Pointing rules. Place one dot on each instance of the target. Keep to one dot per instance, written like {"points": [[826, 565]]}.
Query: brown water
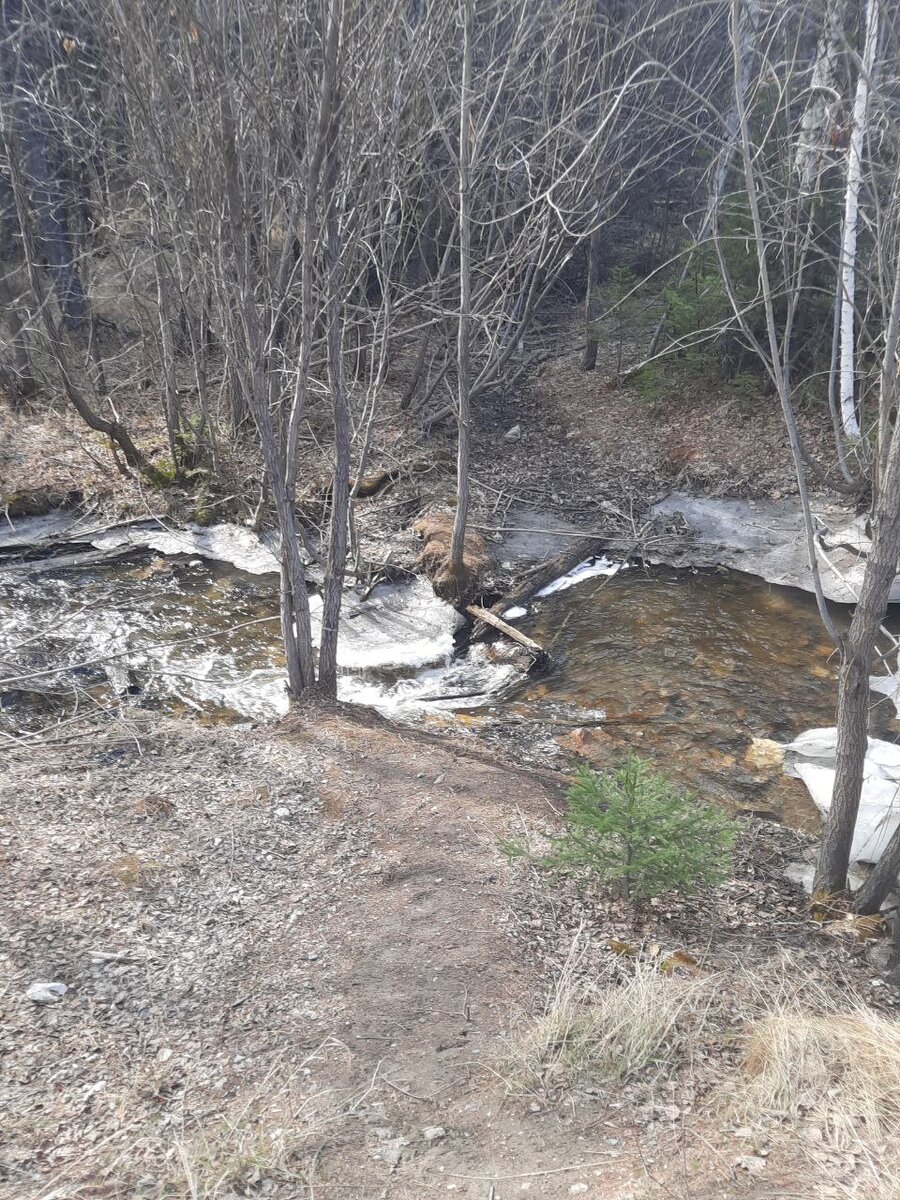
{"points": [[686, 669]]}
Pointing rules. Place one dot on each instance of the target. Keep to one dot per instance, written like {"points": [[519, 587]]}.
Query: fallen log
{"points": [[537, 578], [490, 618]]}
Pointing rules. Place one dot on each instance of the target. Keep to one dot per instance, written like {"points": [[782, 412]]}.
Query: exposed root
{"points": [[436, 530]]}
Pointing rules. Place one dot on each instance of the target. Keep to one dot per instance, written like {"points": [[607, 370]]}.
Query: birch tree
{"points": [[783, 232], [858, 130]]}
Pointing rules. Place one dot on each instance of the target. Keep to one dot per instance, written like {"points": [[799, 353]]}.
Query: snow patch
{"points": [[887, 685], [588, 569], [812, 758], [233, 544]]}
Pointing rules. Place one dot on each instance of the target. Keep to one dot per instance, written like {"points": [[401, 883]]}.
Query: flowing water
{"points": [[687, 668]]}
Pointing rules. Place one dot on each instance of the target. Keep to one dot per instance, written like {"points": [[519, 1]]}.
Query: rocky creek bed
{"points": [[692, 665]]}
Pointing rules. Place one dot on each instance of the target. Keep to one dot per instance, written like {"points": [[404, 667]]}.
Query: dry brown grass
{"points": [[269, 1133], [817, 1079], [610, 1034], [831, 1073]]}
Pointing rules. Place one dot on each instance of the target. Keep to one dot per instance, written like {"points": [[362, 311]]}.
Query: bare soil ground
{"points": [[298, 966]]}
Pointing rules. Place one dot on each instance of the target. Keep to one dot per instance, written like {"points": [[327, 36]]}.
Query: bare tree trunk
{"points": [[295, 616], [857, 651], [882, 881], [853, 684], [457, 540], [166, 320], [22, 383], [778, 359], [340, 488], [851, 222], [811, 144], [592, 333]]}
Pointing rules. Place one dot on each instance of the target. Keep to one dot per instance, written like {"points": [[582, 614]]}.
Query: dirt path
{"points": [[302, 930], [296, 965]]}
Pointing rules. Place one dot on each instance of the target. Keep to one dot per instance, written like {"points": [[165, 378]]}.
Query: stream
{"points": [[686, 667]]}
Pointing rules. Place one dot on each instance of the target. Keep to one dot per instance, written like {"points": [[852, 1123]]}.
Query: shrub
{"points": [[630, 827]]}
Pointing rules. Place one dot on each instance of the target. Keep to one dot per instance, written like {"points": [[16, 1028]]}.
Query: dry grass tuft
{"points": [[831, 1074], [265, 1139], [610, 1034], [261, 1137], [843, 1067]]}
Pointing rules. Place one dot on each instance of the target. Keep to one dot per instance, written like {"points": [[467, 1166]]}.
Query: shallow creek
{"points": [[686, 667]]}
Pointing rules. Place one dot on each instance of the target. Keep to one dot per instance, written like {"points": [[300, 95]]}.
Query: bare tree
{"points": [[777, 176], [464, 383]]}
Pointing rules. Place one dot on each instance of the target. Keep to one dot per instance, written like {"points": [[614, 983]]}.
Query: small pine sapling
{"points": [[630, 827]]}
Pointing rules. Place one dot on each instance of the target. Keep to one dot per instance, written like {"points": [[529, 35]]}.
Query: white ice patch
{"points": [[400, 626], [585, 570], [812, 758], [470, 682], [887, 685], [804, 873], [514, 613], [818, 747], [879, 809], [233, 544]]}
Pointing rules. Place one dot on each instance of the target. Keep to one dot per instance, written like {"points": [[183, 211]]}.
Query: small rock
{"points": [[513, 434], [282, 812], [434, 1133], [753, 1164], [312, 956], [46, 993], [534, 1107], [882, 956], [578, 1189], [391, 1151], [764, 754]]}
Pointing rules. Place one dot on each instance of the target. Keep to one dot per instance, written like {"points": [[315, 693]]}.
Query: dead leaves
{"points": [[678, 960]]}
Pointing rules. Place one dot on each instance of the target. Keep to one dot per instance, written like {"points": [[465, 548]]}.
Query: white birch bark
{"points": [[851, 222]]}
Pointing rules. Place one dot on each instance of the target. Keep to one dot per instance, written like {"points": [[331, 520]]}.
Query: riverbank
{"points": [[299, 965], [576, 444]]}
